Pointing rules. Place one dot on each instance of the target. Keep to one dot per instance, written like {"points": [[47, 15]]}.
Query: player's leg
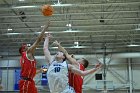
{"points": [[32, 87], [23, 86], [69, 89]]}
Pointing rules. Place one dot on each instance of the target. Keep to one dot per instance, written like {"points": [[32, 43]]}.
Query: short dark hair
{"points": [[85, 62], [64, 56], [20, 50]]}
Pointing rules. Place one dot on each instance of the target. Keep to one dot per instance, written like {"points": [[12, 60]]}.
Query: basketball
{"points": [[47, 10]]}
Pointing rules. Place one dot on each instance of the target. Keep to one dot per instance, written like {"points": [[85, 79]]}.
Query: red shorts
{"points": [[27, 86]]}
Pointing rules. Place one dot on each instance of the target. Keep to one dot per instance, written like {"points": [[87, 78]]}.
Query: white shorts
{"points": [[68, 89]]}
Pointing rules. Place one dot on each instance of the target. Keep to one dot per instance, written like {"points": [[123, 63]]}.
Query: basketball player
{"points": [[58, 71], [75, 80], [28, 65]]}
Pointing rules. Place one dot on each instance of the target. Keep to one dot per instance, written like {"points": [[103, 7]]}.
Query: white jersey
{"points": [[58, 77]]}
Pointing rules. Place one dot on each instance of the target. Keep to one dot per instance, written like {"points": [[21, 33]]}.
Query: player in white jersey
{"points": [[58, 70], [58, 78]]}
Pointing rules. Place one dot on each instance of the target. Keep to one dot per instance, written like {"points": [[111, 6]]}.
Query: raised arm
{"points": [[80, 72], [46, 50], [38, 40], [70, 59]]}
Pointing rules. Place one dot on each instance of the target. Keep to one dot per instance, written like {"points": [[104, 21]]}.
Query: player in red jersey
{"points": [[28, 65], [76, 81]]}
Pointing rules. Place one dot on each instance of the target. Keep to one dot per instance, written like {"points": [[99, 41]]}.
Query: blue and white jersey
{"points": [[57, 76]]}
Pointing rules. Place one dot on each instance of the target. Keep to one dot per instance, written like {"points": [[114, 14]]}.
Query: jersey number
{"points": [[57, 69]]}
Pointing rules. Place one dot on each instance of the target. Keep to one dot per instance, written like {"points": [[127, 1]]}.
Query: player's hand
{"points": [[99, 65], [41, 70], [56, 43], [72, 55], [45, 69], [48, 36]]}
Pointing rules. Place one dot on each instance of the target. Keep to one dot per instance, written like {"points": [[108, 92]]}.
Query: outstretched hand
{"points": [[40, 71], [56, 43], [99, 65], [48, 35]]}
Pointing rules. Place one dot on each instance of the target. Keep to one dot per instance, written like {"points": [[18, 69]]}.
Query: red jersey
{"points": [[28, 67], [76, 81]]}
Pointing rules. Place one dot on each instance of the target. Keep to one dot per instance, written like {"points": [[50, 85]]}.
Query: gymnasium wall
{"points": [[117, 73]]}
